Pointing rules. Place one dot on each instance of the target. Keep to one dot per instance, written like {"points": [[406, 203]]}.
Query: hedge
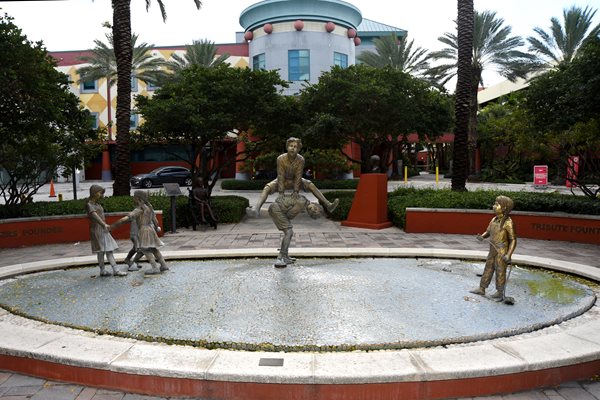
{"points": [[402, 198], [259, 184], [229, 209]]}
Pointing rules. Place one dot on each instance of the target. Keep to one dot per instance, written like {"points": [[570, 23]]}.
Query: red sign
{"points": [[540, 175]]}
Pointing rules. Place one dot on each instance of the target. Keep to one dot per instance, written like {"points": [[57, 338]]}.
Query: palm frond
{"points": [[562, 41]]}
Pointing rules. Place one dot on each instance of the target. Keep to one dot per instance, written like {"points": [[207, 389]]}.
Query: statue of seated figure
{"points": [[200, 207]]}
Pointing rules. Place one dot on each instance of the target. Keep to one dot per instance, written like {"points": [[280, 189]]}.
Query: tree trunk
{"points": [[123, 54], [475, 79], [463, 94]]}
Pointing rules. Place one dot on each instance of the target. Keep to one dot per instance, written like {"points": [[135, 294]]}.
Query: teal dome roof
{"points": [[271, 11]]}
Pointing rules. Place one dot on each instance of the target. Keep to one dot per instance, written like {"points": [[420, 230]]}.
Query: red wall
{"points": [[570, 228], [24, 232]]}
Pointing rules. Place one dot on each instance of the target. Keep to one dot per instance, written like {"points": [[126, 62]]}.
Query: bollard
{"points": [[60, 198]]}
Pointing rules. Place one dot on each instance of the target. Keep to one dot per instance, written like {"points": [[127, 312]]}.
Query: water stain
{"points": [[555, 288]]}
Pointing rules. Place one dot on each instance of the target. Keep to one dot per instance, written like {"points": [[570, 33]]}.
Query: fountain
{"points": [[221, 322], [334, 323]]}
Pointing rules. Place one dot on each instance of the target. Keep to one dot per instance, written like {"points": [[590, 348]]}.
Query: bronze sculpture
{"points": [[283, 210], [147, 224], [290, 167], [503, 241], [200, 205], [374, 161], [100, 238]]}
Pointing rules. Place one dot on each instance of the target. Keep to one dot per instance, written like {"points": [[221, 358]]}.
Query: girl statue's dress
{"points": [[100, 237], [145, 219]]}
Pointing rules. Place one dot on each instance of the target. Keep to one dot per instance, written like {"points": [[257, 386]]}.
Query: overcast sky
{"points": [[74, 24]]}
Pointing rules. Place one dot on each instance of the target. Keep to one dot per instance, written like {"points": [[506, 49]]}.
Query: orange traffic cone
{"points": [[52, 192]]}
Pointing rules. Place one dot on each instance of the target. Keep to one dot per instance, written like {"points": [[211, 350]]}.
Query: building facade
{"points": [[299, 38]]}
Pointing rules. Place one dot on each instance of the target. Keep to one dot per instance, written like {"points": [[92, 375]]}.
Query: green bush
{"points": [[236, 184], [342, 210], [239, 184], [402, 198], [229, 209]]}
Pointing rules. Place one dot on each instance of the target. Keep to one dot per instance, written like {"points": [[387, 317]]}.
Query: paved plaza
{"points": [[261, 233]]}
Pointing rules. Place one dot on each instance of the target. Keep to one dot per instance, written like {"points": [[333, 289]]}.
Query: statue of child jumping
{"points": [[282, 211], [290, 166]]}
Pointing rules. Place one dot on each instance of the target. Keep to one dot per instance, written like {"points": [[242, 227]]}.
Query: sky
{"points": [[74, 24]]}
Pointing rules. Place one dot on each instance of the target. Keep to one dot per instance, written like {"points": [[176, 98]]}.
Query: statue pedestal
{"points": [[369, 208]]}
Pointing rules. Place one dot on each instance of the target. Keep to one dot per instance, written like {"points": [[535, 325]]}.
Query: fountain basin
{"points": [[541, 358], [318, 304]]}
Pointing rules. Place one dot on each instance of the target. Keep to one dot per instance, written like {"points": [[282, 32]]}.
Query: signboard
{"points": [[540, 175], [172, 189]]}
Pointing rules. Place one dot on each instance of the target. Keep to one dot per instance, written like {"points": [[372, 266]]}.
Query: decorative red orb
{"points": [[268, 28], [351, 33], [298, 25], [357, 41], [248, 35], [329, 27]]}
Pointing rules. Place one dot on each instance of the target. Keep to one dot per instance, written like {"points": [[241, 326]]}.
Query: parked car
{"points": [[161, 175]]}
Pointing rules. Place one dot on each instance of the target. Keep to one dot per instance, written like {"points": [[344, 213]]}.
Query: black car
{"points": [[161, 175]]}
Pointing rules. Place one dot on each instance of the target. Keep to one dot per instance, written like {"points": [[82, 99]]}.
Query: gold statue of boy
{"points": [[290, 167], [503, 241]]}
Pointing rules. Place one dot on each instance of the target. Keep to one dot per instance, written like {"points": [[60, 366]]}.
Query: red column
{"points": [[106, 174], [240, 172], [369, 207]]}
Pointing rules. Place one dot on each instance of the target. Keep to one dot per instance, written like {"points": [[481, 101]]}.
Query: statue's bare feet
{"points": [[105, 273], [133, 267], [280, 263], [478, 291], [332, 206], [252, 212], [153, 271]]}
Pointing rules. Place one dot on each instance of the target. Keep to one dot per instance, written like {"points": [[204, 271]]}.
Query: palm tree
{"points": [[123, 54], [200, 52], [103, 64], [396, 53], [563, 41], [492, 47], [464, 56]]}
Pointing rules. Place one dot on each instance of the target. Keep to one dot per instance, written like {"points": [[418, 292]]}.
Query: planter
{"points": [[533, 225], [23, 232]]}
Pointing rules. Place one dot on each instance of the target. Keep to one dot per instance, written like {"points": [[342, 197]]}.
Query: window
{"points": [[133, 121], [298, 65], [89, 87], [134, 83], [340, 59], [258, 62], [95, 120]]}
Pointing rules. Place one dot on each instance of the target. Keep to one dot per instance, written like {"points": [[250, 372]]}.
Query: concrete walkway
{"points": [[261, 233]]}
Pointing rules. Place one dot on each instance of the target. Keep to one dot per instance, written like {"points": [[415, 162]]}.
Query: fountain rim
{"points": [[571, 344]]}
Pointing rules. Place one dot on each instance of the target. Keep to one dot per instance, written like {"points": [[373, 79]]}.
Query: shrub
{"points": [[229, 209], [402, 198], [236, 184], [342, 210]]}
